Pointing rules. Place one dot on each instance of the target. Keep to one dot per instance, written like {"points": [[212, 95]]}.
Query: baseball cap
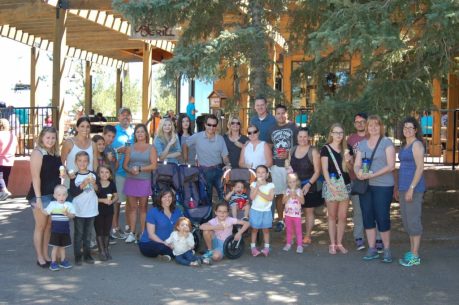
{"points": [[124, 109]]}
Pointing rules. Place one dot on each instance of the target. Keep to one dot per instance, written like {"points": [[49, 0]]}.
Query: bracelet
{"points": [[309, 182], [39, 197]]}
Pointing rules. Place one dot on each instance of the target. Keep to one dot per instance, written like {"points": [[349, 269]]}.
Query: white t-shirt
{"points": [[86, 204], [260, 204], [181, 244]]}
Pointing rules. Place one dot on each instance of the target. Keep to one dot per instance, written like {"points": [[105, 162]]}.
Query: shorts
{"points": [[137, 187], [261, 220], [313, 200], [119, 181], [279, 175], [411, 213], [60, 240], [217, 245], [45, 200]]}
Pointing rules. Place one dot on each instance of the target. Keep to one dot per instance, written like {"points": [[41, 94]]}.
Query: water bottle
{"points": [[333, 178], [191, 203], [365, 165]]}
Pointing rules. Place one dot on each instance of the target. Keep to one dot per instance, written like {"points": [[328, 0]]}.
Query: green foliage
{"points": [[164, 95]]}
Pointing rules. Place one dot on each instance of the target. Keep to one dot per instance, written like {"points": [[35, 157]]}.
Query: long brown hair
{"points": [[343, 144]]}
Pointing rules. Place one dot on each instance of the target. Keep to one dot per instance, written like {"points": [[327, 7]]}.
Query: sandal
{"points": [[306, 240], [341, 249], [332, 249]]}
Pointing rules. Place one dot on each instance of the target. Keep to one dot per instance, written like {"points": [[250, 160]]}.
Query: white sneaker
{"points": [[130, 238], [286, 247], [164, 258], [299, 249], [3, 196]]}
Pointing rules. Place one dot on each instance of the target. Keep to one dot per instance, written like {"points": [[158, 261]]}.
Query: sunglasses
{"points": [[212, 125], [252, 132], [235, 123]]}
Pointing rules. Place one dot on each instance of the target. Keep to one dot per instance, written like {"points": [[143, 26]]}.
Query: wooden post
{"points": [[453, 103], [146, 81], [34, 55], [435, 148], [87, 88], [119, 91], [59, 46]]}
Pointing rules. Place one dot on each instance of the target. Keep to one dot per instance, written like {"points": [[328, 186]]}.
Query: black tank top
{"points": [[303, 167], [49, 175]]}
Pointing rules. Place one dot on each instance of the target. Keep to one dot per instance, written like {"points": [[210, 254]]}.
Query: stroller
{"points": [[166, 176], [231, 176]]}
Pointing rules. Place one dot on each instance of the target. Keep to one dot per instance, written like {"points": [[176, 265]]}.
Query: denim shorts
{"points": [[261, 220], [45, 200], [217, 244]]}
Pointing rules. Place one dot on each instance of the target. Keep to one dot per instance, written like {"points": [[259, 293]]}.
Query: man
{"points": [[191, 112], [283, 138], [123, 138], [263, 119], [360, 120], [211, 152], [155, 118]]}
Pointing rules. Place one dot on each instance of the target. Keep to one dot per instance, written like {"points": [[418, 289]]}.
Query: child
{"points": [[238, 199], [217, 230], [60, 211], [293, 199], [103, 222], [261, 217], [181, 242], [100, 145], [83, 187]]}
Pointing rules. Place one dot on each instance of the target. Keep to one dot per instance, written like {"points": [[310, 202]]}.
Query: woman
{"points": [[80, 142], [160, 224], [44, 168], [335, 158], [234, 140], [411, 187], [255, 152], [166, 142], [184, 131], [139, 162], [375, 203], [304, 160], [8, 144]]}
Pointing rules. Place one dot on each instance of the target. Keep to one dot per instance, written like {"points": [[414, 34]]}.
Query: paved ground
{"points": [[314, 277]]}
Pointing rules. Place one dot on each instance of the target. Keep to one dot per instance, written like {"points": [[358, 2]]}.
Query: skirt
{"points": [[137, 187]]}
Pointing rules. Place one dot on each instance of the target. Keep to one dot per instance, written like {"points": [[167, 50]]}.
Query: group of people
{"points": [[292, 177]]}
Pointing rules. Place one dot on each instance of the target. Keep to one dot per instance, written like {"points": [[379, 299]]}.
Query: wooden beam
{"points": [[103, 5], [119, 90], [58, 67], [435, 148], [87, 88], [453, 103], [146, 81], [34, 55]]}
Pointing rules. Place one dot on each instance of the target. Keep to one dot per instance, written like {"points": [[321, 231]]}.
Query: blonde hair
{"points": [[375, 118], [343, 144], [41, 146], [160, 133], [294, 176], [231, 118]]}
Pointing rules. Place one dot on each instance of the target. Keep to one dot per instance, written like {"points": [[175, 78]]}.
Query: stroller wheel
{"points": [[233, 249]]}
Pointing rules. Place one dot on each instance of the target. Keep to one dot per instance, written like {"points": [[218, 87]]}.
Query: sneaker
{"points": [[255, 252], [265, 251], [208, 254], [408, 255], [130, 238], [287, 247], [78, 261], [379, 246], [111, 241], [299, 249], [93, 246], [88, 259], [165, 258], [54, 266], [387, 257], [65, 264], [196, 263], [279, 226], [359, 244], [206, 260], [3, 196], [117, 234], [372, 253], [411, 261]]}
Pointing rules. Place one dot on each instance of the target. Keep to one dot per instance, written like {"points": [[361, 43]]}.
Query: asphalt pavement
{"points": [[314, 277]]}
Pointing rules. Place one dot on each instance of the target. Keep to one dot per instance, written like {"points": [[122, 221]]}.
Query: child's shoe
{"points": [[208, 254], [359, 244], [206, 260], [196, 263], [299, 249], [54, 266], [265, 251], [287, 247], [65, 264], [279, 226], [379, 246], [255, 252]]}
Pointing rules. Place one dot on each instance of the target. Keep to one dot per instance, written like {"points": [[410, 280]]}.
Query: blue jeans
{"points": [[375, 206], [213, 177], [186, 258], [153, 249], [82, 235]]}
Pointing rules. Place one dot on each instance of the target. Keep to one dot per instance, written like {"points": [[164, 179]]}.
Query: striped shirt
{"points": [[59, 222]]}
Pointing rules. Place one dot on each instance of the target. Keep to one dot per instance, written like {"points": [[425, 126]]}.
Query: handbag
{"points": [[342, 188], [359, 187]]}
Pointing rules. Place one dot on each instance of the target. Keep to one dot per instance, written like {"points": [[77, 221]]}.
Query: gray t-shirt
{"points": [[210, 151], [379, 161], [283, 137]]}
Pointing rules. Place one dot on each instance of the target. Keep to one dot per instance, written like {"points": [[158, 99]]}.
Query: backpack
{"points": [[193, 189]]}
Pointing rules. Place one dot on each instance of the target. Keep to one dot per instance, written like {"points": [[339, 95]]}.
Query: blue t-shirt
{"points": [[122, 136], [163, 224], [264, 126], [160, 146], [190, 111]]}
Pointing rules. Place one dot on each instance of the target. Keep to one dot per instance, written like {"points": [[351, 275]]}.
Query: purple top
{"points": [[407, 170]]}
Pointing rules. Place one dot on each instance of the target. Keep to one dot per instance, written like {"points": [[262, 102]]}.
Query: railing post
{"points": [[455, 137]]}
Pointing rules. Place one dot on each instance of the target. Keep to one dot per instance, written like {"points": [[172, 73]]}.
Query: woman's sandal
{"points": [[341, 249], [306, 240], [332, 249]]}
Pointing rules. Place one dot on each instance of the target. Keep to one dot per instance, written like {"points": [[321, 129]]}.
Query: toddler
{"points": [[218, 229], [238, 200], [61, 211], [293, 199]]}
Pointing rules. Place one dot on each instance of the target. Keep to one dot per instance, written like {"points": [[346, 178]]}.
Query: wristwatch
{"points": [[412, 187]]}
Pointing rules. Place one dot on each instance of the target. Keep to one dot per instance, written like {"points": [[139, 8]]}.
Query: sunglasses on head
{"points": [[212, 125], [252, 132]]}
